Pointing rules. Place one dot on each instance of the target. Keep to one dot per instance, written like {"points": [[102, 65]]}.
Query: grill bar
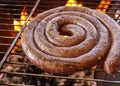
{"points": [[56, 2], [63, 77], [2, 52], [14, 5], [2, 44], [14, 9], [11, 84], [22, 1], [13, 19], [84, 2], [8, 24], [12, 14], [5, 44], [41, 2], [4, 30], [44, 10], [7, 37]]}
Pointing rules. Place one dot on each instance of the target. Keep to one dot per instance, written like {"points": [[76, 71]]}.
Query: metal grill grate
{"points": [[10, 40]]}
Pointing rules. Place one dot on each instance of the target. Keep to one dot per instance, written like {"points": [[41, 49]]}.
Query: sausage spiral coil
{"points": [[91, 37]]}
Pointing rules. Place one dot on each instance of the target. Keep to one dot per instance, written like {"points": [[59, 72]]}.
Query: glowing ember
{"points": [[104, 4], [65, 36], [16, 25], [73, 3], [80, 4], [23, 17]]}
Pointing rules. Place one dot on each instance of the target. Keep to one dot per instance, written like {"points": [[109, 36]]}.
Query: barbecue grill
{"points": [[13, 62]]}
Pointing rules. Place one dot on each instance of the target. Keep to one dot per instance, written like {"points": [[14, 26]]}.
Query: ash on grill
{"points": [[39, 81]]}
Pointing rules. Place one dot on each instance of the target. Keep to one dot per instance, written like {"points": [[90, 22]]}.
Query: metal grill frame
{"points": [[3, 61]]}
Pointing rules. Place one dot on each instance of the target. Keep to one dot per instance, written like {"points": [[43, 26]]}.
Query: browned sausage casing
{"points": [[92, 36]]}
